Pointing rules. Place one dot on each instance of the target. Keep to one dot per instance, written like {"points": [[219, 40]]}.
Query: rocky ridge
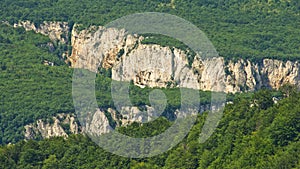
{"points": [[60, 125], [157, 66], [154, 66], [94, 123], [163, 66], [57, 31]]}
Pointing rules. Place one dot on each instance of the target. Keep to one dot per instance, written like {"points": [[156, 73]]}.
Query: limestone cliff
{"points": [[94, 123], [98, 46], [244, 75], [157, 66]]}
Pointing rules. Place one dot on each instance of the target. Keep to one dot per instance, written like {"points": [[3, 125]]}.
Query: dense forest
{"points": [[265, 135], [254, 132], [29, 89], [238, 29]]}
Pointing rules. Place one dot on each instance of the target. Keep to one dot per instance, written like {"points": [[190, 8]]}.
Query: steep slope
{"points": [[247, 137], [114, 49], [161, 66], [98, 47]]}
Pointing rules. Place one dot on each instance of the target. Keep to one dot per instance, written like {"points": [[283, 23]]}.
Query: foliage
{"points": [[29, 89], [253, 133], [239, 29], [246, 137]]}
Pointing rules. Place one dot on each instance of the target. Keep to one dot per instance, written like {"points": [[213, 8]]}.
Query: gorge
{"points": [[152, 65]]}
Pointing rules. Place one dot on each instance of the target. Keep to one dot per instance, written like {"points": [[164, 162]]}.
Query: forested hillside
{"points": [[238, 29], [31, 90], [254, 132], [262, 136]]}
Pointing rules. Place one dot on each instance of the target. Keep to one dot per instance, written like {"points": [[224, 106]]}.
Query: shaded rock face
{"points": [[157, 66], [57, 31]]}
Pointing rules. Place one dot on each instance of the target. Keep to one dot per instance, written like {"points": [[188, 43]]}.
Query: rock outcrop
{"points": [[134, 114], [57, 31], [60, 125], [278, 72], [157, 66], [99, 47], [244, 75], [96, 123]]}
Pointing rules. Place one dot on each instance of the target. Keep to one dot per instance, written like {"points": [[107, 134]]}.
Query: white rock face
{"points": [[213, 75], [97, 124], [48, 130], [278, 72], [157, 66], [245, 75], [98, 46], [57, 31]]}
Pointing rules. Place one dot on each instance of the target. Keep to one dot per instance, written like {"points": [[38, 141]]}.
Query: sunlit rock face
{"points": [[96, 124], [157, 66]]}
